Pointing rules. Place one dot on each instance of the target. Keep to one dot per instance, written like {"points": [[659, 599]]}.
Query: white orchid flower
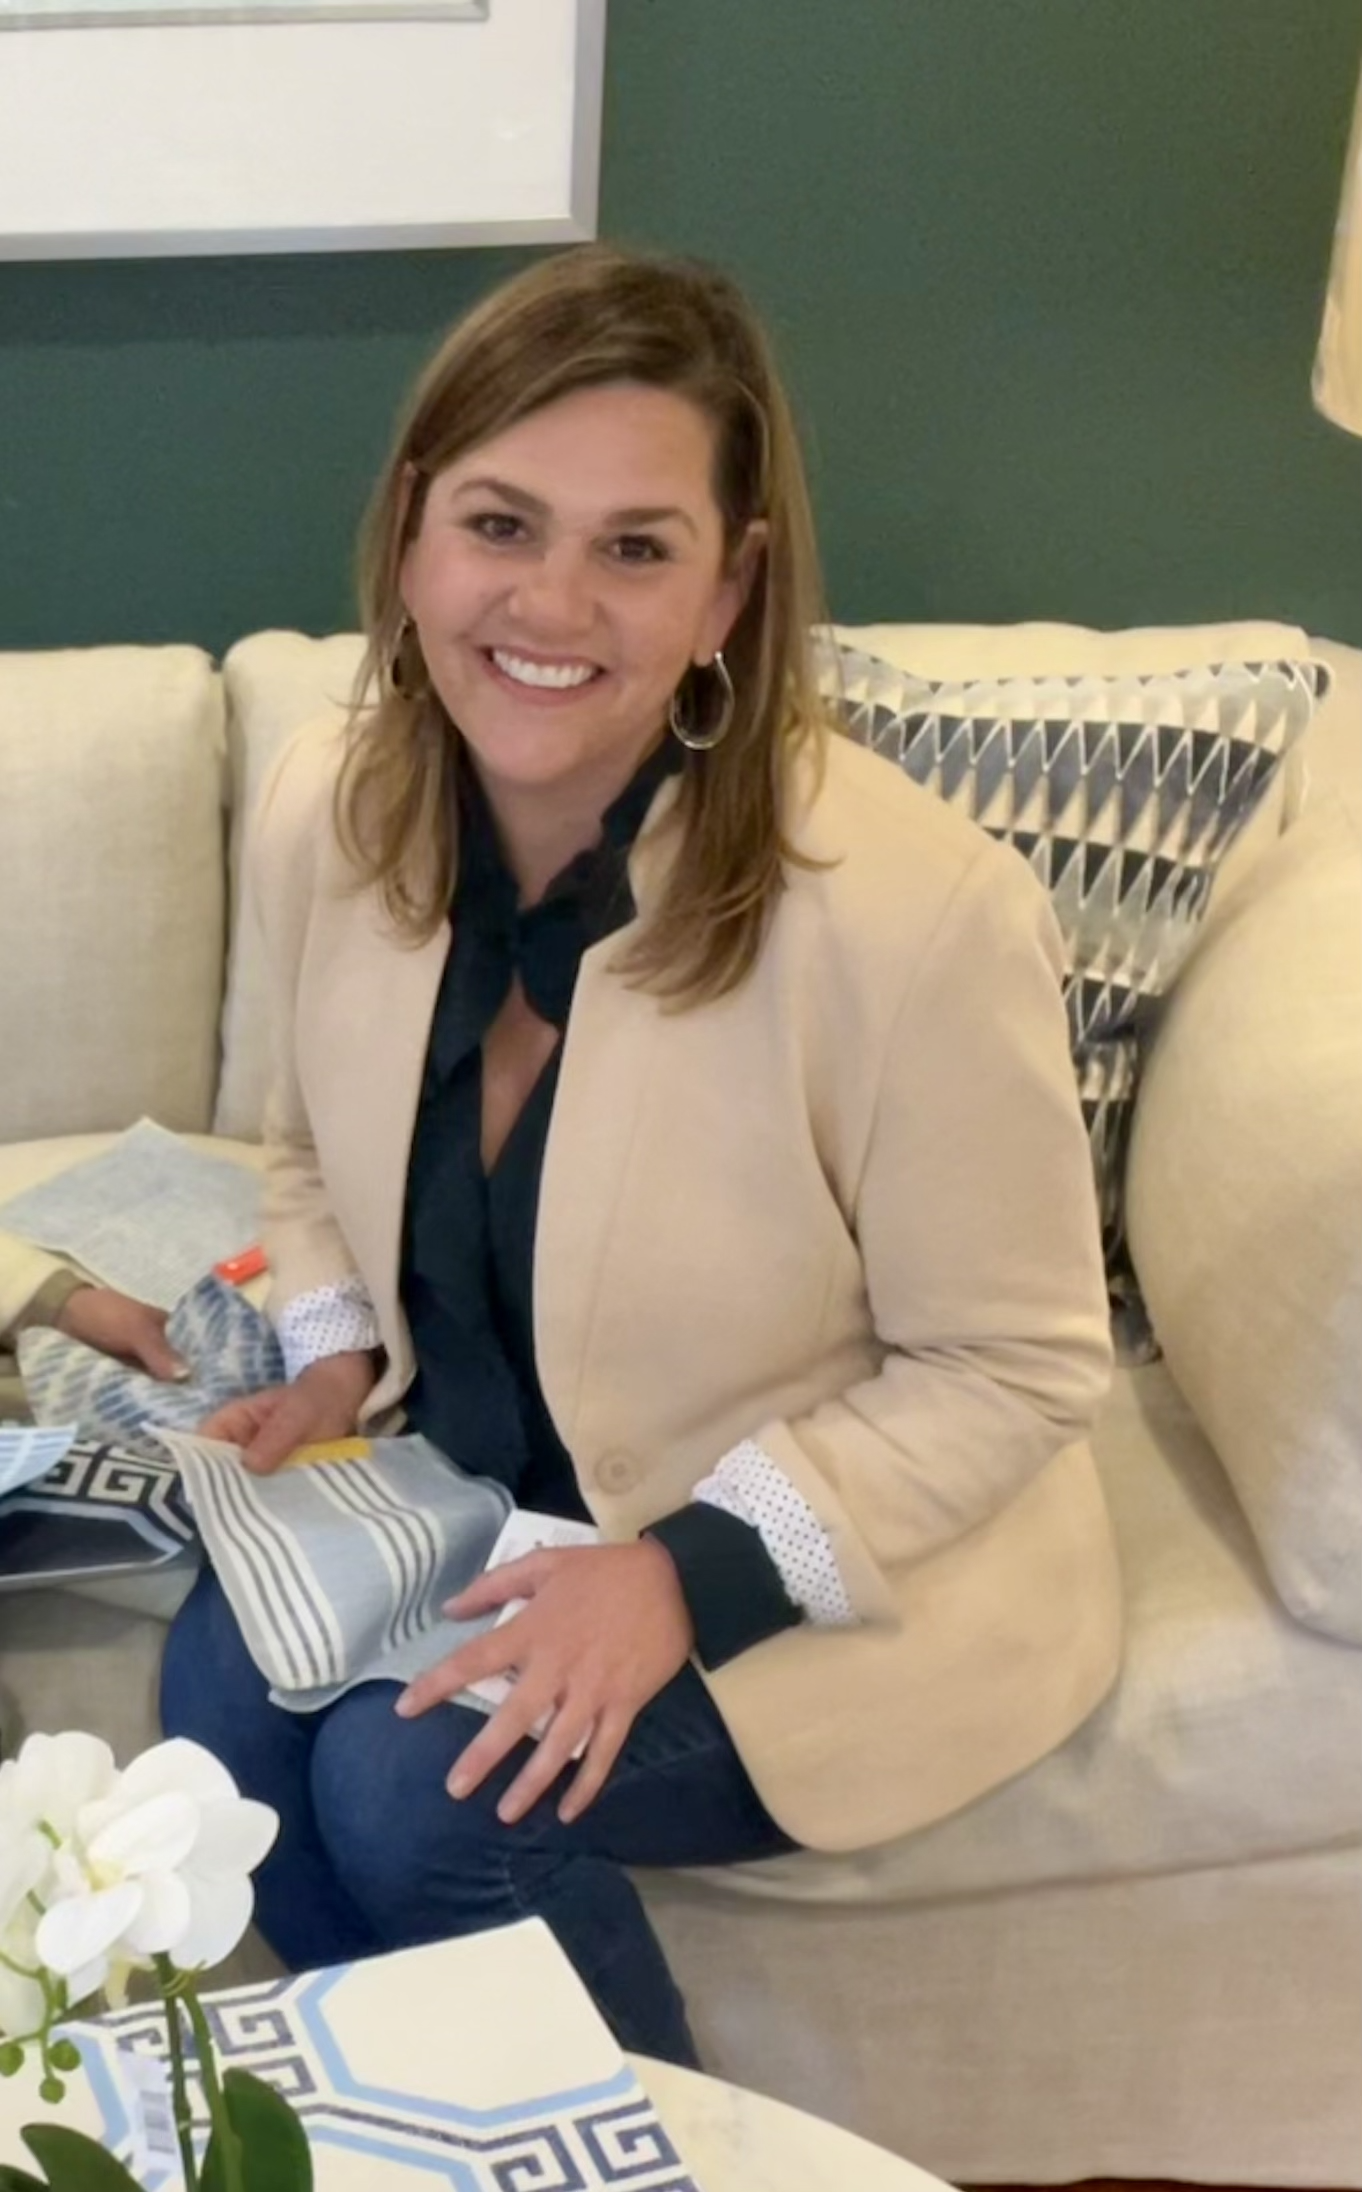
{"points": [[41, 1793], [51, 1779], [25, 1862], [157, 1863]]}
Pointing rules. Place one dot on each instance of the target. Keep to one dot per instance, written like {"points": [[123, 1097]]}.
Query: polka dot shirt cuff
{"points": [[327, 1320], [749, 1484]]}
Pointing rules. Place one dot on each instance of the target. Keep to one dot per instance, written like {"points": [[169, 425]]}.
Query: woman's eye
{"points": [[497, 527], [638, 548]]}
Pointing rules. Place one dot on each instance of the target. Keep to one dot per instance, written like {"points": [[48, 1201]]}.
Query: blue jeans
{"points": [[373, 1854]]}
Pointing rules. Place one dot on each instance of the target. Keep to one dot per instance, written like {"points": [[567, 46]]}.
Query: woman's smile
{"points": [[541, 677]]}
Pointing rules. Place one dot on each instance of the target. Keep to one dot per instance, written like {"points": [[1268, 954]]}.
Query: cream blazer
{"points": [[846, 1211]]}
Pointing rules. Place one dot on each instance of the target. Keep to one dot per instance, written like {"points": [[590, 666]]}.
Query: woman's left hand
{"points": [[603, 1629]]}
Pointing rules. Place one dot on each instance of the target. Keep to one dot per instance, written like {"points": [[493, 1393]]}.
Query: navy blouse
{"points": [[467, 1270]]}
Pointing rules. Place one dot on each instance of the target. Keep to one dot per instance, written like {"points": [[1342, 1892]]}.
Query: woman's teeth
{"points": [[552, 676]]}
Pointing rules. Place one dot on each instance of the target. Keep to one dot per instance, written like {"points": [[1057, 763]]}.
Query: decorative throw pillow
{"points": [[100, 1511], [1124, 792]]}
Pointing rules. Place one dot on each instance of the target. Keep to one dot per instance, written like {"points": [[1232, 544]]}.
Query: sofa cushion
{"points": [[1233, 1734], [275, 682], [1122, 774], [1245, 1201], [111, 888], [1332, 753]]}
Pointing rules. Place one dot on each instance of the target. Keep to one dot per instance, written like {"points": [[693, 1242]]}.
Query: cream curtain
{"points": [[1338, 367]]}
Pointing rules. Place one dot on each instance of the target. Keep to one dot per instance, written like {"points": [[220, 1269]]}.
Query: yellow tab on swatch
{"points": [[346, 1449]]}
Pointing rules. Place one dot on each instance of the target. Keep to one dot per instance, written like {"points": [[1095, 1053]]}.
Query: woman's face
{"points": [[564, 577]]}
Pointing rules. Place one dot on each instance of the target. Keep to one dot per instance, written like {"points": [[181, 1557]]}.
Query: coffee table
{"points": [[736, 2141], [478, 2065]]}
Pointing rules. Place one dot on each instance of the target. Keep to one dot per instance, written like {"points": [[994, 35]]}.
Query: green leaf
{"points": [[19, 2180], [275, 2156], [73, 2163]]}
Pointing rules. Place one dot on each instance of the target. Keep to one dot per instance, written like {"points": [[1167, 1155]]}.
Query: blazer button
{"points": [[617, 1472]]}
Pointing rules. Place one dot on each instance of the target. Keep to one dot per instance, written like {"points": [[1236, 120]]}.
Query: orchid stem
{"points": [[179, 2085], [229, 2145]]}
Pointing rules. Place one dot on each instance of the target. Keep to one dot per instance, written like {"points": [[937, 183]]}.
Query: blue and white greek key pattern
{"points": [[606, 2138]]}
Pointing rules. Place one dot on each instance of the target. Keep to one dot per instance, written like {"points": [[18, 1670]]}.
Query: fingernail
{"points": [[405, 1706], [457, 1785], [181, 1373]]}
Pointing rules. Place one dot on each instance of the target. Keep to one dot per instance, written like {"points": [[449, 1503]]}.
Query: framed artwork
{"points": [[85, 14], [130, 128]]}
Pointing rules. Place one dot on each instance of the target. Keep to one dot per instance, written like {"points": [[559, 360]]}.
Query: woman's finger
{"points": [[284, 1428], [235, 1422], [603, 1748], [498, 1586], [559, 1743], [154, 1351], [511, 1723]]}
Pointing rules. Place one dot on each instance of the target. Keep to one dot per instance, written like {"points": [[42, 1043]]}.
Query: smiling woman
{"points": [[556, 617], [674, 1120]]}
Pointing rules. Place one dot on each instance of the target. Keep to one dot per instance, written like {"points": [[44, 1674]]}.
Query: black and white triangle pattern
{"points": [[1124, 794]]}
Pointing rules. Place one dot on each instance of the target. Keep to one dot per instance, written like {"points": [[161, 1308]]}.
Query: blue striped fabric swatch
{"points": [[336, 1570]]}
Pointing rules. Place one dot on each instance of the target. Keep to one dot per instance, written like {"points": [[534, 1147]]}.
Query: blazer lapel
{"points": [[375, 1005], [608, 1056]]}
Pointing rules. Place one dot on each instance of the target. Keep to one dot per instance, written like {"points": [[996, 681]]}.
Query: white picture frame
{"points": [[319, 134]]}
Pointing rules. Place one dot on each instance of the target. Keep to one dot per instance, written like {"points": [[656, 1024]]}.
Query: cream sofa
{"points": [[1144, 1957]]}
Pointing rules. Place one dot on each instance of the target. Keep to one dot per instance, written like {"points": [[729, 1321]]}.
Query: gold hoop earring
{"points": [[703, 740], [399, 665]]}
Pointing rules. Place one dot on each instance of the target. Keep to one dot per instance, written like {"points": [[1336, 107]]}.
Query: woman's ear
{"points": [[734, 587]]}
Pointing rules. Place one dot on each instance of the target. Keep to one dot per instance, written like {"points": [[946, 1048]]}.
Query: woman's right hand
{"points": [[323, 1402]]}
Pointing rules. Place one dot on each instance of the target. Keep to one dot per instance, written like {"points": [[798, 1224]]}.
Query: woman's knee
{"points": [[391, 1829]]}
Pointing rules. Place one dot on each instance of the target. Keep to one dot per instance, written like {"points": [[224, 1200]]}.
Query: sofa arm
{"points": [[1244, 1197]]}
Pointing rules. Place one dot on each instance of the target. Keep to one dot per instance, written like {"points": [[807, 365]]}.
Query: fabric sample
{"points": [[99, 1511], [229, 1346], [337, 1570]]}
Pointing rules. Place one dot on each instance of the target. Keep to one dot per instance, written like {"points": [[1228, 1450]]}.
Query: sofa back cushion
{"points": [[111, 888], [275, 683], [1244, 1194]]}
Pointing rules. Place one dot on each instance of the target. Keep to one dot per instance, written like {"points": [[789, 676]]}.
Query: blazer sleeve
{"points": [[976, 1217], [33, 1285], [287, 868]]}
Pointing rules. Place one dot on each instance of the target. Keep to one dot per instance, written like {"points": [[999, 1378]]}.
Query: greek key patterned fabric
{"points": [[100, 1510], [230, 1347], [479, 2064], [1124, 794]]}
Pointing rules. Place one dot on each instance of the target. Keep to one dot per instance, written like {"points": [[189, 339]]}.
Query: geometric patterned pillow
{"points": [[101, 1510], [1124, 793]]}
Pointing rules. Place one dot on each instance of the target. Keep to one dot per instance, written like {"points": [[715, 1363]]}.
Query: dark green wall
{"points": [[1046, 275]]}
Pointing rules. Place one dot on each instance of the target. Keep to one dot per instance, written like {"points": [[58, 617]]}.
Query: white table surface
{"points": [[736, 2141]]}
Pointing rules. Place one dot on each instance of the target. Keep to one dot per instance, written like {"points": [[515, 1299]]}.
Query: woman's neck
{"points": [[540, 828]]}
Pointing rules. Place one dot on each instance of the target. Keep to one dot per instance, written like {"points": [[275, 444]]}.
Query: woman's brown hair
{"points": [[587, 317]]}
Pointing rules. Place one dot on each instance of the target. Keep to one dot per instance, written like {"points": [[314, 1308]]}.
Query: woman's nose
{"points": [[553, 596]]}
